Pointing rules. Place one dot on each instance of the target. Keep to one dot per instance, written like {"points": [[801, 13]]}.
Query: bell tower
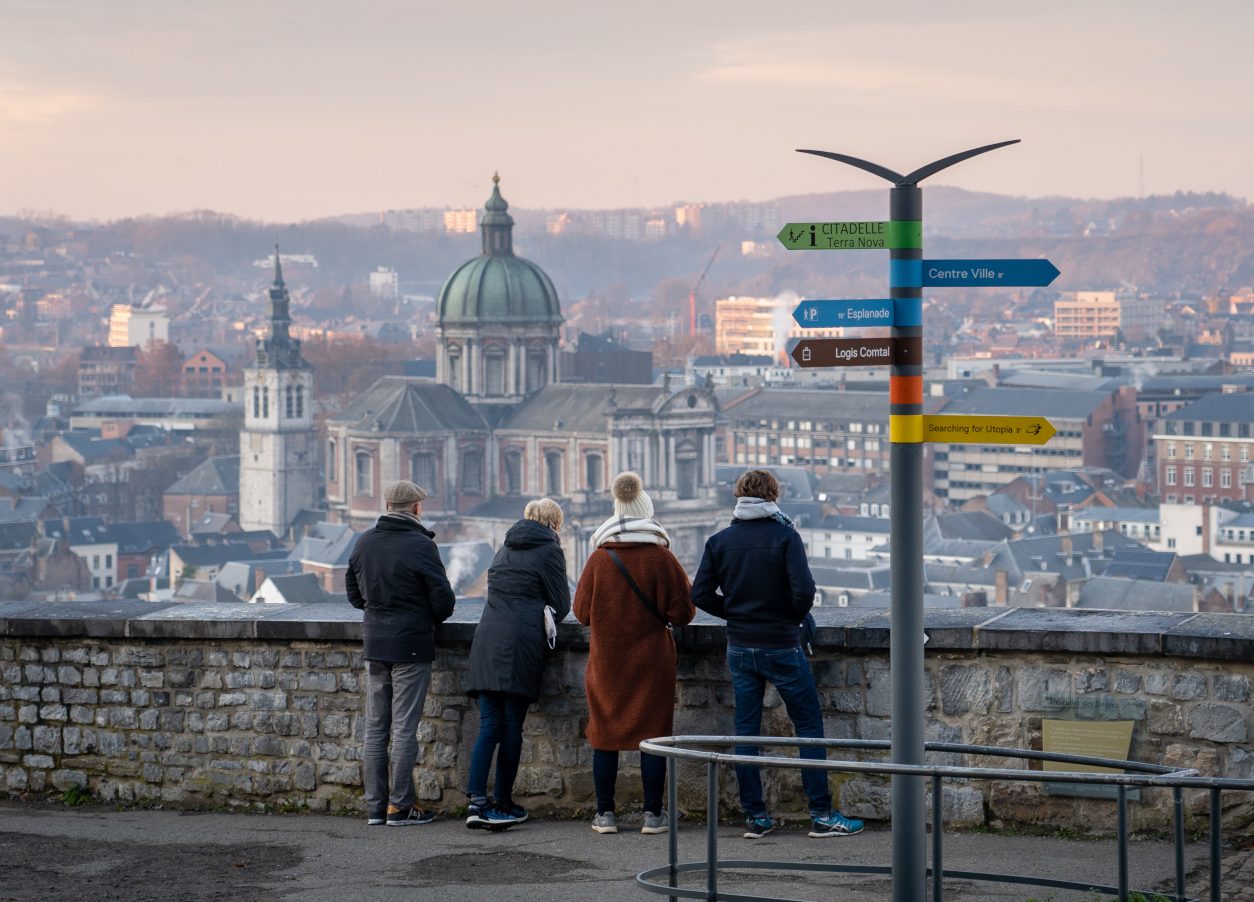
{"points": [[277, 473]]}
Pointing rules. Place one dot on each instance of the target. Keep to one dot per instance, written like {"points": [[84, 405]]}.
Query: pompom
{"points": [[627, 488]]}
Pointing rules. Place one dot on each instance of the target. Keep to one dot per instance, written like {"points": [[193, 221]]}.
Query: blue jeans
{"points": [[786, 669], [501, 716], [395, 693]]}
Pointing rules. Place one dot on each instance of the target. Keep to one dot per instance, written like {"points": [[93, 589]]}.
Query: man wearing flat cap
{"points": [[395, 575]]}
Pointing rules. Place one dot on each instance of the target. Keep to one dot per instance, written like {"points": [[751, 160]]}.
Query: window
{"points": [[1208, 478], [1225, 479], [364, 473], [472, 472], [109, 561], [1188, 451], [494, 373], [592, 466], [553, 473], [1171, 476], [300, 401], [1225, 453], [331, 460], [1188, 476], [289, 406], [513, 472], [256, 400], [265, 402], [1171, 543], [1208, 451], [1171, 450], [422, 470]]}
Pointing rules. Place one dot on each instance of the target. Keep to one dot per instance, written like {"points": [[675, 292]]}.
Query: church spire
{"points": [[278, 348], [497, 225], [280, 319]]}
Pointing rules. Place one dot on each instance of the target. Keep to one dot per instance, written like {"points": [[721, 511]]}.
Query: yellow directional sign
{"points": [[964, 430]]}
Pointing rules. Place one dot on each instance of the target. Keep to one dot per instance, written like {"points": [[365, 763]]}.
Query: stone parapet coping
{"points": [[1222, 637]]}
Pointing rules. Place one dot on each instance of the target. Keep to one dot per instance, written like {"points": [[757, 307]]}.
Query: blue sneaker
{"points": [[835, 824], [489, 817], [758, 826], [517, 812]]}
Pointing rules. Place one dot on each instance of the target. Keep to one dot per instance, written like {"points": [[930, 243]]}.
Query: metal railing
{"points": [[1137, 775]]}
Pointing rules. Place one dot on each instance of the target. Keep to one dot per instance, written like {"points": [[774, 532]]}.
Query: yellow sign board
{"points": [[964, 430]]}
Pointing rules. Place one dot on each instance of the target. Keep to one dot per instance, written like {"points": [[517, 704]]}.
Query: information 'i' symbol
{"points": [[813, 235]]}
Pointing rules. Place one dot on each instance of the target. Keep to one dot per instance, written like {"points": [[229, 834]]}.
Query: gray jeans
{"points": [[395, 693]]}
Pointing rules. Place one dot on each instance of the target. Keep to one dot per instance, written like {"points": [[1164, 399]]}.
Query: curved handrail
{"points": [[1142, 775]]}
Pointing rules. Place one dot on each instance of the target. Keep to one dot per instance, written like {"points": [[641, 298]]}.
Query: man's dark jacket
{"points": [[396, 576], [767, 588], [529, 572]]}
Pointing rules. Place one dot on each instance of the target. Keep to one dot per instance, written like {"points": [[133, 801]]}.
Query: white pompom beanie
{"points": [[630, 498]]}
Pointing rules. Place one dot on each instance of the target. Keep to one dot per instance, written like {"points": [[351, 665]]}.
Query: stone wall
{"points": [[261, 706]]}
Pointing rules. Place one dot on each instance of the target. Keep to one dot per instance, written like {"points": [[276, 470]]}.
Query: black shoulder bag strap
{"points": [[644, 599]]}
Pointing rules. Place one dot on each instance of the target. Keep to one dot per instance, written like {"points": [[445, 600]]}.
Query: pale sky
{"points": [[284, 110]]}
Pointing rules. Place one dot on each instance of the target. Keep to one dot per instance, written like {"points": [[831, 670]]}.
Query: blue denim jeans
{"points": [[395, 693], [501, 716], [789, 672], [605, 779]]}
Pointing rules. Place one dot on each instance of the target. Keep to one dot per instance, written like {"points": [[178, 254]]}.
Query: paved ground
{"points": [[99, 854]]}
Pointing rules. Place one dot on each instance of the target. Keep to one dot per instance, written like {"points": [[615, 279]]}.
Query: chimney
{"points": [[1205, 529], [1001, 588], [1066, 551]]}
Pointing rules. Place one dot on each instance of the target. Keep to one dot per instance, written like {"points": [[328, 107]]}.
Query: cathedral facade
{"points": [[497, 427]]}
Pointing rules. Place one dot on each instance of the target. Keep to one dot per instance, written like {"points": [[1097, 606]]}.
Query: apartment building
{"points": [[1095, 429], [827, 431], [760, 326], [1203, 450], [130, 325], [1105, 314]]}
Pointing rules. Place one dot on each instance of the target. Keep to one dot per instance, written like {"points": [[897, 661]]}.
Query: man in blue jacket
{"points": [[759, 566], [395, 575]]}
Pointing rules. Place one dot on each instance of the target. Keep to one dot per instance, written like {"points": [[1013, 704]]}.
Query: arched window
{"points": [[494, 372], [553, 473], [331, 460], [256, 400], [472, 472], [289, 405], [300, 401], [265, 402], [593, 468], [422, 470], [363, 481], [513, 472]]}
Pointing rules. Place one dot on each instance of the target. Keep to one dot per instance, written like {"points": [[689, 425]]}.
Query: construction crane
{"points": [[692, 295]]}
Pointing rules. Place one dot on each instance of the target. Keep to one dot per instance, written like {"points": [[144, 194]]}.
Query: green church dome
{"points": [[498, 286]]}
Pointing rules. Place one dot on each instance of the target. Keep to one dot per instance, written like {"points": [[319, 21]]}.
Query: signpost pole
{"points": [[906, 438], [906, 569]]}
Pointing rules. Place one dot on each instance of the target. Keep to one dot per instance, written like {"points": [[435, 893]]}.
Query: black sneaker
{"points": [[375, 820], [400, 818], [489, 817]]}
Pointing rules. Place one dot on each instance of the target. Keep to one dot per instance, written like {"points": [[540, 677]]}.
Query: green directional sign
{"points": [[851, 236]]}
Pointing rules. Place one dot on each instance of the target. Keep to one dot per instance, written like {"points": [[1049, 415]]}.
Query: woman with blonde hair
{"points": [[507, 656], [631, 592]]}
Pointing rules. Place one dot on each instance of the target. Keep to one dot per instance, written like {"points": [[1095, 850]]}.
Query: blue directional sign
{"points": [[834, 314], [972, 273]]}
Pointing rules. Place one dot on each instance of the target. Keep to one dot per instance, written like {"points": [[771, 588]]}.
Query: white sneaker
{"points": [[605, 823], [655, 823]]}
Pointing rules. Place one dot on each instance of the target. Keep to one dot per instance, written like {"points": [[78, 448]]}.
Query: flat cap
{"points": [[403, 493]]}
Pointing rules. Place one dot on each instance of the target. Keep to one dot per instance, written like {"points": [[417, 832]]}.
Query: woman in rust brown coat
{"points": [[630, 680]]}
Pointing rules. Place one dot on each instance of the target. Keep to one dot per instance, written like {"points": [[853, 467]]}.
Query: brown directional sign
{"points": [[858, 352]]}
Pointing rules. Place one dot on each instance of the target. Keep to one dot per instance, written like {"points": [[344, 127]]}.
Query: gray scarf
{"points": [[748, 508]]}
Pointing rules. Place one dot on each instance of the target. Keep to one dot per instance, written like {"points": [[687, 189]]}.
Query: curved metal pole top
{"points": [[908, 181]]}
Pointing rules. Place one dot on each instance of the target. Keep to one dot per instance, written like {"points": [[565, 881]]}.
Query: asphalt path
{"points": [[96, 853]]}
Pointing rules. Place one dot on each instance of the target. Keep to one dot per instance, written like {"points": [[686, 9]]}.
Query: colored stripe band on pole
{"points": [[905, 390], [905, 428], [905, 273], [905, 233], [907, 311]]}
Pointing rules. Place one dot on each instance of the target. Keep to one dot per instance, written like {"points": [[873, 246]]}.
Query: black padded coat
{"points": [[529, 572], [396, 577]]}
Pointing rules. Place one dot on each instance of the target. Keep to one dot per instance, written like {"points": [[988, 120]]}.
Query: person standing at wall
{"points": [[631, 592], [754, 574], [396, 577], [507, 656]]}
